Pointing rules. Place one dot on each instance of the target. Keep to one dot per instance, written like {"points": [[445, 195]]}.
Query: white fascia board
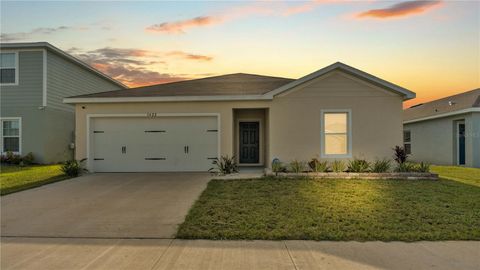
{"points": [[407, 94], [163, 99], [468, 110]]}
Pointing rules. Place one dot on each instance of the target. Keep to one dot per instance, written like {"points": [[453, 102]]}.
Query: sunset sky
{"points": [[430, 47]]}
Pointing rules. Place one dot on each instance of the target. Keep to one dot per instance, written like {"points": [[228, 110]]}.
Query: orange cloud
{"points": [[100, 66], [134, 56], [120, 52], [301, 8], [134, 67], [134, 76], [190, 56], [401, 9], [309, 6], [180, 26]]}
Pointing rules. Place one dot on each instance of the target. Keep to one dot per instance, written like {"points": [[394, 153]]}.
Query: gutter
{"points": [[468, 110], [74, 100]]}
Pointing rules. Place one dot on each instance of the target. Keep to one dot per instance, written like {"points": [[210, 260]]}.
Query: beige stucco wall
{"points": [[293, 119], [224, 109], [434, 141]]}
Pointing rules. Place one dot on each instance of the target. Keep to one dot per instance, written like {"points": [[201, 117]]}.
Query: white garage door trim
{"points": [[147, 115]]}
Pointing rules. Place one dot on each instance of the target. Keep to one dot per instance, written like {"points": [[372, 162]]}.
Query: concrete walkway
{"points": [[78, 253]]}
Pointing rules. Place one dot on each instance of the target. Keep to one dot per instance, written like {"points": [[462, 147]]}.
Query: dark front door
{"points": [[461, 143], [249, 142]]}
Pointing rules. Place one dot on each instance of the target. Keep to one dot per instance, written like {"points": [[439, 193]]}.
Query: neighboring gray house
{"points": [[445, 131], [34, 78]]}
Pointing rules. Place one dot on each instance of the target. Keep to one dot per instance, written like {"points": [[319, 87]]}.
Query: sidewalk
{"points": [[65, 253]]}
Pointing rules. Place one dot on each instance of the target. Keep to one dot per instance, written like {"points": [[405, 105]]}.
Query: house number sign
{"points": [[151, 115]]}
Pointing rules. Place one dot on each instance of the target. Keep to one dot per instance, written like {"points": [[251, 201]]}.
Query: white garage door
{"points": [[161, 144]]}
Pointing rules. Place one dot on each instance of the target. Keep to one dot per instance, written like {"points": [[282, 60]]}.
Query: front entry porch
{"points": [[250, 133]]}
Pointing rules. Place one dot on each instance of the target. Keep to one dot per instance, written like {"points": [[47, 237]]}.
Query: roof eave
{"points": [[75, 100], [442, 115]]}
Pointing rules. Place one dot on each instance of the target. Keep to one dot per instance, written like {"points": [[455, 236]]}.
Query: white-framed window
{"points": [[407, 141], [8, 68], [11, 134], [336, 133]]}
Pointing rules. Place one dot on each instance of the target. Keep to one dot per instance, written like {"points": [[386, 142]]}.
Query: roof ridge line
{"points": [[204, 78]]}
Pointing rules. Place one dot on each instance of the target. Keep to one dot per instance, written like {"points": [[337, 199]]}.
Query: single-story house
{"points": [[445, 131], [337, 112], [34, 79]]}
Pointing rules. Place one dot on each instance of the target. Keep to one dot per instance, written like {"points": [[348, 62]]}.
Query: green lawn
{"points": [[16, 178], [466, 175], [360, 210]]}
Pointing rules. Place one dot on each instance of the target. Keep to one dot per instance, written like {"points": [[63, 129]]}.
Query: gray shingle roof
{"points": [[230, 84], [444, 105]]}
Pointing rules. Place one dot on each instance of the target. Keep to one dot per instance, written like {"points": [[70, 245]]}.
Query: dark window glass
{"points": [[7, 75], [406, 136], [11, 144], [461, 144], [408, 148]]}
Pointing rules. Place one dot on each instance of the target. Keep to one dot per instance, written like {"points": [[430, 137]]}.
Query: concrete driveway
{"points": [[113, 205]]}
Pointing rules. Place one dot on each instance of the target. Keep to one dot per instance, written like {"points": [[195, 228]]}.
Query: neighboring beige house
{"points": [[445, 131], [337, 112]]}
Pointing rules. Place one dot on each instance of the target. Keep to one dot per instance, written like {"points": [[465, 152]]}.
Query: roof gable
{"points": [[337, 84], [407, 94]]}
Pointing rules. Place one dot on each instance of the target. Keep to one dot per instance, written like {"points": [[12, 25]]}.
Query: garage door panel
{"points": [[134, 144]]}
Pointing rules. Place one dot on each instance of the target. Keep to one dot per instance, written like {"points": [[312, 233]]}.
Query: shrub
{"points": [[11, 158], [73, 167], [28, 159], [318, 166], [278, 166], [358, 166], [381, 166], [3, 158], [400, 155], [224, 165], [422, 167], [297, 166], [338, 166], [405, 167]]}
